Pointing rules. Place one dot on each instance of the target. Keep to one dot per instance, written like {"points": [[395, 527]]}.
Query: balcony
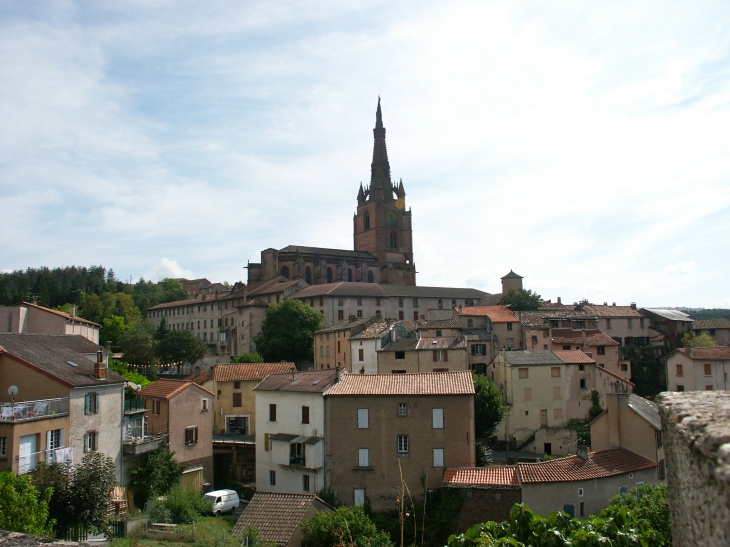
{"points": [[233, 439], [138, 440], [32, 410], [29, 462], [132, 406]]}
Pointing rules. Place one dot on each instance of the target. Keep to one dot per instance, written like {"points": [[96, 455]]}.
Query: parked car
{"points": [[224, 501]]}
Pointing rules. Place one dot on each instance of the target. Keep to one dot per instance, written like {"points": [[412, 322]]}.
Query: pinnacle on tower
{"points": [[380, 168]]}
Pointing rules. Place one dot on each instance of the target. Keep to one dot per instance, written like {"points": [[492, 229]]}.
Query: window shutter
{"points": [[437, 415], [96, 404], [362, 418], [195, 435], [86, 404], [364, 457], [305, 414], [266, 442], [446, 355], [435, 357]]}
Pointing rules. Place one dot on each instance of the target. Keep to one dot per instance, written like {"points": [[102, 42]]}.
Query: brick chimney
{"points": [[72, 310], [582, 452], [633, 305], [99, 366]]}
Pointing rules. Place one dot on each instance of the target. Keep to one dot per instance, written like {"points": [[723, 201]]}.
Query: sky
{"points": [[584, 145]]}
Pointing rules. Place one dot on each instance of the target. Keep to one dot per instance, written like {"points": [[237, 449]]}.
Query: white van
{"points": [[224, 501]]}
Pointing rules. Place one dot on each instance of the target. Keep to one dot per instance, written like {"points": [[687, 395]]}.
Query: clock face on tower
{"points": [[400, 203]]}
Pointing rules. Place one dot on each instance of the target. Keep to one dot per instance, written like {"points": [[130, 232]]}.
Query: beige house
{"points": [[544, 391], [384, 426], [488, 329], [698, 369], [332, 346], [622, 323], [29, 318], [632, 422], [593, 342], [366, 344], [183, 410], [718, 329], [64, 406], [580, 485]]}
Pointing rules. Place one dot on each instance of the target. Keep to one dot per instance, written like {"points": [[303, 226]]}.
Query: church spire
{"points": [[380, 168]]}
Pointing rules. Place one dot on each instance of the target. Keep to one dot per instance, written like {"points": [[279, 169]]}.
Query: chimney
{"points": [[559, 300], [293, 369], [605, 303], [99, 367], [688, 349], [584, 339], [614, 304], [633, 305], [582, 452], [72, 310], [337, 373]]}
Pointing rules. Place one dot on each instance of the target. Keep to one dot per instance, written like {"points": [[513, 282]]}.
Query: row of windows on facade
{"points": [[54, 441], [707, 367], [305, 480], [363, 415], [183, 310], [330, 276], [401, 304]]}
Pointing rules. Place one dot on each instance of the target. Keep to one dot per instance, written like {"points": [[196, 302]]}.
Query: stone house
{"points": [[580, 485], [670, 324], [332, 345], [593, 342], [698, 369], [364, 346], [490, 329], [632, 422], [718, 329], [433, 346], [183, 410], [290, 431], [625, 324], [65, 403], [381, 427], [33, 319]]}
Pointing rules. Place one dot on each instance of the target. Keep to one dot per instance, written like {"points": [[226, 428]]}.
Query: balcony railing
{"points": [[234, 439], [29, 410], [139, 440], [134, 405], [28, 462]]}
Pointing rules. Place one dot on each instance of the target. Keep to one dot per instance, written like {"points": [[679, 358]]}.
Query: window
{"points": [[400, 315], [359, 313], [641, 325], [237, 399], [680, 388], [478, 349], [510, 342], [272, 478], [191, 435], [566, 347], [509, 326], [359, 496], [363, 457], [400, 355], [402, 444], [582, 509], [204, 404], [415, 302], [3, 447], [308, 275], [340, 314], [236, 385], [624, 367], [321, 351], [91, 403], [556, 392], [580, 492], [285, 271], [402, 409], [708, 388], [361, 355], [528, 394], [440, 355], [296, 453], [362, 418], [305, 483], [524, 372], [708, 370], [583, 383], [91, 441], [680, 370], [155, 407], [393, 240], [608, 323], [441, 304], [272, 413], [366, 220], [327, 351], [601, 350], [415, 315], [400, 302], [631, 323], [329, 275], [557, 413], [305, 414], [534, 340], [438, 457], [359, 300], [555, 372], [437, 418]]}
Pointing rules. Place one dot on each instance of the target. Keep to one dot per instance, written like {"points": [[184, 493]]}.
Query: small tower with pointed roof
{"points": [[382, 225], [511, 281]]}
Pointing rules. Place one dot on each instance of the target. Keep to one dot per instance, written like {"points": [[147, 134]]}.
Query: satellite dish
{"points": [[13, 391]]}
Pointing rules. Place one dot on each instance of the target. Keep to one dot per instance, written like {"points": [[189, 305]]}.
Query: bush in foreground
{"points": [[181, 506]]}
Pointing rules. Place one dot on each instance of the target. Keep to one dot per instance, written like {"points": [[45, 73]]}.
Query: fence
{"points": [[81, 532]]}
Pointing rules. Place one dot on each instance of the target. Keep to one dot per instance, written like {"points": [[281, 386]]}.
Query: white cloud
{"points": [[680, 268], [167, 268]]}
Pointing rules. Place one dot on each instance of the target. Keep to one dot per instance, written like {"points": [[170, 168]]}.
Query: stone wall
{"points": [[696, 433], [483, 504]]}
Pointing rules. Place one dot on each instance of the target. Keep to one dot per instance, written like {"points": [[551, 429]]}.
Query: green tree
{"points": [[180, 346], [138, 345], [489, 406], [57, 478], [156, 476], [91, 490], [287, 332], [345, 526], [40, 289], [112, 329], [596, 409], [521, 300], [649, 502], [247, 358], [22, 507], [698, 341]]}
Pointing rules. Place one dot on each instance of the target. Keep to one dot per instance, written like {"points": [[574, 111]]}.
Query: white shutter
{"points": [[362, 418], [364, 457], [438, 457], [438, 418], [359, 496]]}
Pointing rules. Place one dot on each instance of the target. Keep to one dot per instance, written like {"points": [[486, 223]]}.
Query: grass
{"points": [[207, 530]]}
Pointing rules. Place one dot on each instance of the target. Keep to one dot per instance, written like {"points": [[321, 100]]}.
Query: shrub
{"points": [[22, 507], [346, 526], [181, 506]]}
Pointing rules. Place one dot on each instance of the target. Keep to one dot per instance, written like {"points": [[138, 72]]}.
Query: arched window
{"points": [[308, 275], [367, 220], [371, 277], [393, 240], [329, 275], [285, 271], [349, 275], [391, 220]]}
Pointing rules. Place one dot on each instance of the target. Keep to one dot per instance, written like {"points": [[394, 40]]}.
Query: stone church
{"points": [[382, 231]]}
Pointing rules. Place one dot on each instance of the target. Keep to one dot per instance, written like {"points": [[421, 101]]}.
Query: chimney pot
{"points": [[559, 300], [99, 366], [583, 452], [633, 305]]}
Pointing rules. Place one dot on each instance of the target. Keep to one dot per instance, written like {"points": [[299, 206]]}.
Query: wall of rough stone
{"points": [[483, 504], [696, 433]]}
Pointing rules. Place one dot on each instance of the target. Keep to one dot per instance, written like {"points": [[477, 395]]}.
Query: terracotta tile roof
{"points": [[533, 319], [276, 285], [200, 379], [574, 357], [496, 314], [345, 325], [609, 311], [342, 288], [59, 313], [491, 300], [256, 302], [167, 389], [484, 477], [51, 354], [602, 370], [375, 330], [606, 463], [717, 323], [594, 337], [275, 516], [439, 324], [447, 293], [720, 353], [423, 383], [241, 372], [532, 357], [311, 381]]}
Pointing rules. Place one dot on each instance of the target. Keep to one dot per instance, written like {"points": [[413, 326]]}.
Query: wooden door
{"points": [[543, 417]]}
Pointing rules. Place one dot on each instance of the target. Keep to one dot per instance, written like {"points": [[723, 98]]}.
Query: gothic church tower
{"points": [[382, 226]]}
